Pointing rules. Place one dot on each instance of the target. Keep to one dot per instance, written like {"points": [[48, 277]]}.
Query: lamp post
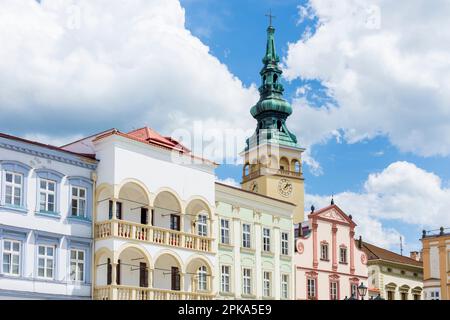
{"points": [[362, 290]]}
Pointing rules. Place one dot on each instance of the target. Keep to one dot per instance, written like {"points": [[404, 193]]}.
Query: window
{"points": [[343, 255], [11, 257], [416, 296], [224, 231], [285, 286], [333, 290], [247, 281], [246, 243], [175, 222], [390, 295], [354, 290], [47, 195], [77, 264], [324, 251], [202, 274], [225, 279], [404, 295], [266, 240], [266, 283], [13, 188], [202, 225], [311, 289], [285, 243], [78, 202], [46, 258]]}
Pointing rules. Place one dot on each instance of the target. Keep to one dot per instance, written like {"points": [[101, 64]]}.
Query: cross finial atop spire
{"points": [[271, 17]]}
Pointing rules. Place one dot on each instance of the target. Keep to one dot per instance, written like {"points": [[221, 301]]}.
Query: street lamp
{"points": [[362, 290]]}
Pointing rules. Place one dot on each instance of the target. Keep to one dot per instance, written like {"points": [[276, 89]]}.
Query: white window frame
{"points": [[246, 235], [14, 186], [76, 262], [202, 278], [285, 244], [49, 261], [247, 288], [311, 285], [224, 231], [78, 199], [47, 193], [334, 290], [267, 284], [324, 253], [12, 253], [225, 279], [202, 225], [284, 286], [343, 250], [266, 239]]}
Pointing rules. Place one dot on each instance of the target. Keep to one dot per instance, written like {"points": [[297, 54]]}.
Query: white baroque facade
{"points": [[46, 205], [154, 218]]}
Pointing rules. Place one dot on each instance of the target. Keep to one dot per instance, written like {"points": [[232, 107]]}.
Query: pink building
{"points": [[329, 263]]}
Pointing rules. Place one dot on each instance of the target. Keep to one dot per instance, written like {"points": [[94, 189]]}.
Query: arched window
{"points": [[246, 169], [202, 225], [201, 280], [275, 78]]}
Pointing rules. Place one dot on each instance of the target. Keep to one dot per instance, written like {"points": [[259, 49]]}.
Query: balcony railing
{"points": [[271, 171], [134, 231], [135, 293]]}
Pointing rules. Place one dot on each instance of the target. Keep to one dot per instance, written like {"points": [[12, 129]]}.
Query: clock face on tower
{"points": [[285, 187]]}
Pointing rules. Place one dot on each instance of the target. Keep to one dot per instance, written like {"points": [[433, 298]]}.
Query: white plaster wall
{"points": [[61, 227], [124, 159]]}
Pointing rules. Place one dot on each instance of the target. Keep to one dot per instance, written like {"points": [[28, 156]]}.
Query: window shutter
{"points": [[143, 275], [175, 279], [118, 273], [110, 209], [109, 272], [119, 210], [144, 216]]}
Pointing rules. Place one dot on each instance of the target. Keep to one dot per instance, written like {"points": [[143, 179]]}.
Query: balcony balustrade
{"points": [[135, 293], [271, 171], [150, 234]]}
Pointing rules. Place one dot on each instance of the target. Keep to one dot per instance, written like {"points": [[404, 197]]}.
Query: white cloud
{"points": [[75, 67], [388, 68], [403, 193], [229, 181]]}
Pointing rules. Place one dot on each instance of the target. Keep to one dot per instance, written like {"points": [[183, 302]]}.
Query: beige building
{"points": [[393, 276], [436, 264]]}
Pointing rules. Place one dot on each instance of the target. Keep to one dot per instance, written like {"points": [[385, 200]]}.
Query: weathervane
{"points": [[271, 17]]}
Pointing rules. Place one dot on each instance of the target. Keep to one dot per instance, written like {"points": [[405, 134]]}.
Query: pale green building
{"points": [[255, 245]]}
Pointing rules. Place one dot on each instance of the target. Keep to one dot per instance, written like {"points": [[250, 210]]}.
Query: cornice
{"points": [[46, 155]]}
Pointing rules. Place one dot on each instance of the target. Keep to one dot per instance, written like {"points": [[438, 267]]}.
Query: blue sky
{"points": [[235, 32], [367, 82]]}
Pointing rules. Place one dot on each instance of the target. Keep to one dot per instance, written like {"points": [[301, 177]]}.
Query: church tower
{"points": [[272, 156]]}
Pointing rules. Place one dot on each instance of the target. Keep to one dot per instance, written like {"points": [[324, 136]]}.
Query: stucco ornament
{"points": [[300, 247], [363, 258]]}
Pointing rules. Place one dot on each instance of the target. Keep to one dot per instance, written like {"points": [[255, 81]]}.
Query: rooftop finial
{"points": [[332, 199], [271, 17]]}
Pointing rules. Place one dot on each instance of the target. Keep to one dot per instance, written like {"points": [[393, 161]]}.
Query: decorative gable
{"points": [[332, 214]]}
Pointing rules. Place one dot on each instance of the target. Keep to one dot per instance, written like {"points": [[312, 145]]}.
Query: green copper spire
{"points": [[272, 109]]}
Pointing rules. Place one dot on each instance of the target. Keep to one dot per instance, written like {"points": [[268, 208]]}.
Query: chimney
{"points": [[415, 255], [360, 242]]}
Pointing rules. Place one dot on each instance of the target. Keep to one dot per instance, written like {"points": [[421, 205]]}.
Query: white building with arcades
{"points": [[154, 219]]}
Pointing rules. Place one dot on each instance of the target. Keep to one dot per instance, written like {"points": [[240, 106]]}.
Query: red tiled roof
{"points": [[149, 136], [376, 253], [48, 146]]}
